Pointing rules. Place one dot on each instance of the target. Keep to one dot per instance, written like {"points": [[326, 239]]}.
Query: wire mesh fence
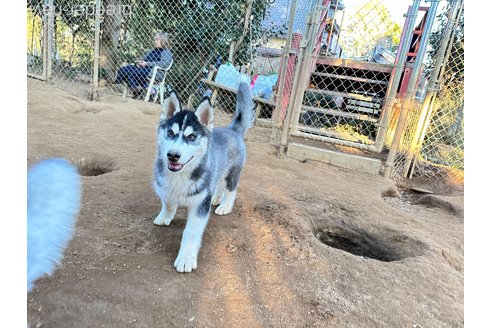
{"points": [[327, 64], [433, 145], [370, 33], [210, 42], [343, 99], [35, 40]]}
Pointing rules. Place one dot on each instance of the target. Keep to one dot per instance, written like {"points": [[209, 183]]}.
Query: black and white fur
{"points": [[198, 166]]}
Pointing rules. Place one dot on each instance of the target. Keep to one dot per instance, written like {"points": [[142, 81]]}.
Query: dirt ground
{"points": [[307, 244]]}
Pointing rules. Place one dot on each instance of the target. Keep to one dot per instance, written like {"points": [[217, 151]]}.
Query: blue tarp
{"points": [[229, 76]]}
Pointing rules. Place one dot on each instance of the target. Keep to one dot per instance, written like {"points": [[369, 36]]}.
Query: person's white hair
{"points": [[164, 38]]}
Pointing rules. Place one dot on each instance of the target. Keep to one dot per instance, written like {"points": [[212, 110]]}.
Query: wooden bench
{"points": [[260, 102]]}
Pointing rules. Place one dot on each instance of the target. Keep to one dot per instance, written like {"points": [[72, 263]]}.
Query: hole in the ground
{"points": [[387, 247], [95, 166]]}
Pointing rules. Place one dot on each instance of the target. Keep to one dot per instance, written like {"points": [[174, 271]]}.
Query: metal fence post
{"points": [[411, 89], [288, 57], [48, 42], [301, 59], [308, 62], [434, 82], [95, 71], [303, 65], [397, 74]]}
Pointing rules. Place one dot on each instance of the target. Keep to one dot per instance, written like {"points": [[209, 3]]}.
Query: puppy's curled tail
{"points": [[244, 116], [53, 201]]}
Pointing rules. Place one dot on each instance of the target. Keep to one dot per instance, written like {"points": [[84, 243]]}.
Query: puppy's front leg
{"points": [[187, 259], [166, 214]]}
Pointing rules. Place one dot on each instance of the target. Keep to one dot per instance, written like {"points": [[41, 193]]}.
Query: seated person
{"points": [[137, 75]]}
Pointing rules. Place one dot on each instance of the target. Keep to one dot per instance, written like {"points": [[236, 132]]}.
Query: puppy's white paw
{"points": [[186, 261], [162, 221], [159, 220], [164, 218], [224, 208], [217, 199]]}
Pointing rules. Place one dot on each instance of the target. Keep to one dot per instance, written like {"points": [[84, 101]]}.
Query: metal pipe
{"points": [[308, 65], [328, 44], [433, 85], [301, 64], [95, 71], [428, 114], [340, 32], [397, 73], [441, 73], [341, 142], [407, 101], [283, 74]]}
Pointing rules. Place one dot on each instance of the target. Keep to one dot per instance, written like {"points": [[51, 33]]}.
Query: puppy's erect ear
{"points": [[170, 106], [205, 113]]}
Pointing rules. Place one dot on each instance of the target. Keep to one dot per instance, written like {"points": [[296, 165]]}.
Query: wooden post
{"points": [[231, 52], [48, 51], [44, 43], [95, 71]]}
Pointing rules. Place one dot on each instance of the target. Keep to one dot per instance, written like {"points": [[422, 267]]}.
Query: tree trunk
{"points": [[110, 35], [72, 48], [237, 44], [32, 32]]}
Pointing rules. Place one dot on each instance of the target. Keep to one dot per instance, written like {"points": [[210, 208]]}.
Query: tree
{"points": [[200, 31], [369, 27]]}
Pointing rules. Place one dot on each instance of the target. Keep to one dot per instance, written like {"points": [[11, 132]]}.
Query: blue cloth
{"points": [[228, 75], [154, 55], [136, 76], [263, 86]]}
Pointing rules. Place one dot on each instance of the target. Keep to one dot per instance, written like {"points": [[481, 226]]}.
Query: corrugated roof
{"points": [[279, 13]]}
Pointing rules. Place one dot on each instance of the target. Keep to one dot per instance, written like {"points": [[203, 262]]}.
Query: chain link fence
{"points": [[212, 43], [350, 75], [320, 69], [60, 44], [432, 148]]}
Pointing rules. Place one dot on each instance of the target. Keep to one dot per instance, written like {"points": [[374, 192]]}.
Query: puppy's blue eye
{"points": [[192, 137], [170, 133]]}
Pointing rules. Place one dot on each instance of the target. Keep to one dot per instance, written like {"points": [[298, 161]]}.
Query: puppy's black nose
{"points": [[173, 156]]}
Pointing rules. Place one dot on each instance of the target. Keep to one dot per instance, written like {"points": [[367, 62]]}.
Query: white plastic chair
{"points": [[156, 88]]}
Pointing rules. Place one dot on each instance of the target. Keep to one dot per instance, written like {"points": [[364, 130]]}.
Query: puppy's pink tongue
{"points": [[175, 166]]}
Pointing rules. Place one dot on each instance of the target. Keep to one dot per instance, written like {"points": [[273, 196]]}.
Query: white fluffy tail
{"points": [[53, 201], [244, 116]]}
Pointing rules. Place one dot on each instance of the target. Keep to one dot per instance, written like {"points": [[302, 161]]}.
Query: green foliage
{"points": [[370, 27], [200, 31]]}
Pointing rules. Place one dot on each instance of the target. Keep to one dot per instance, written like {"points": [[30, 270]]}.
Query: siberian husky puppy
{"points": [[198, 166]]}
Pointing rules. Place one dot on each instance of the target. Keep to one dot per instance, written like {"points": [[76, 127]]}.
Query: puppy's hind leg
{"points": [[229, 196]]}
